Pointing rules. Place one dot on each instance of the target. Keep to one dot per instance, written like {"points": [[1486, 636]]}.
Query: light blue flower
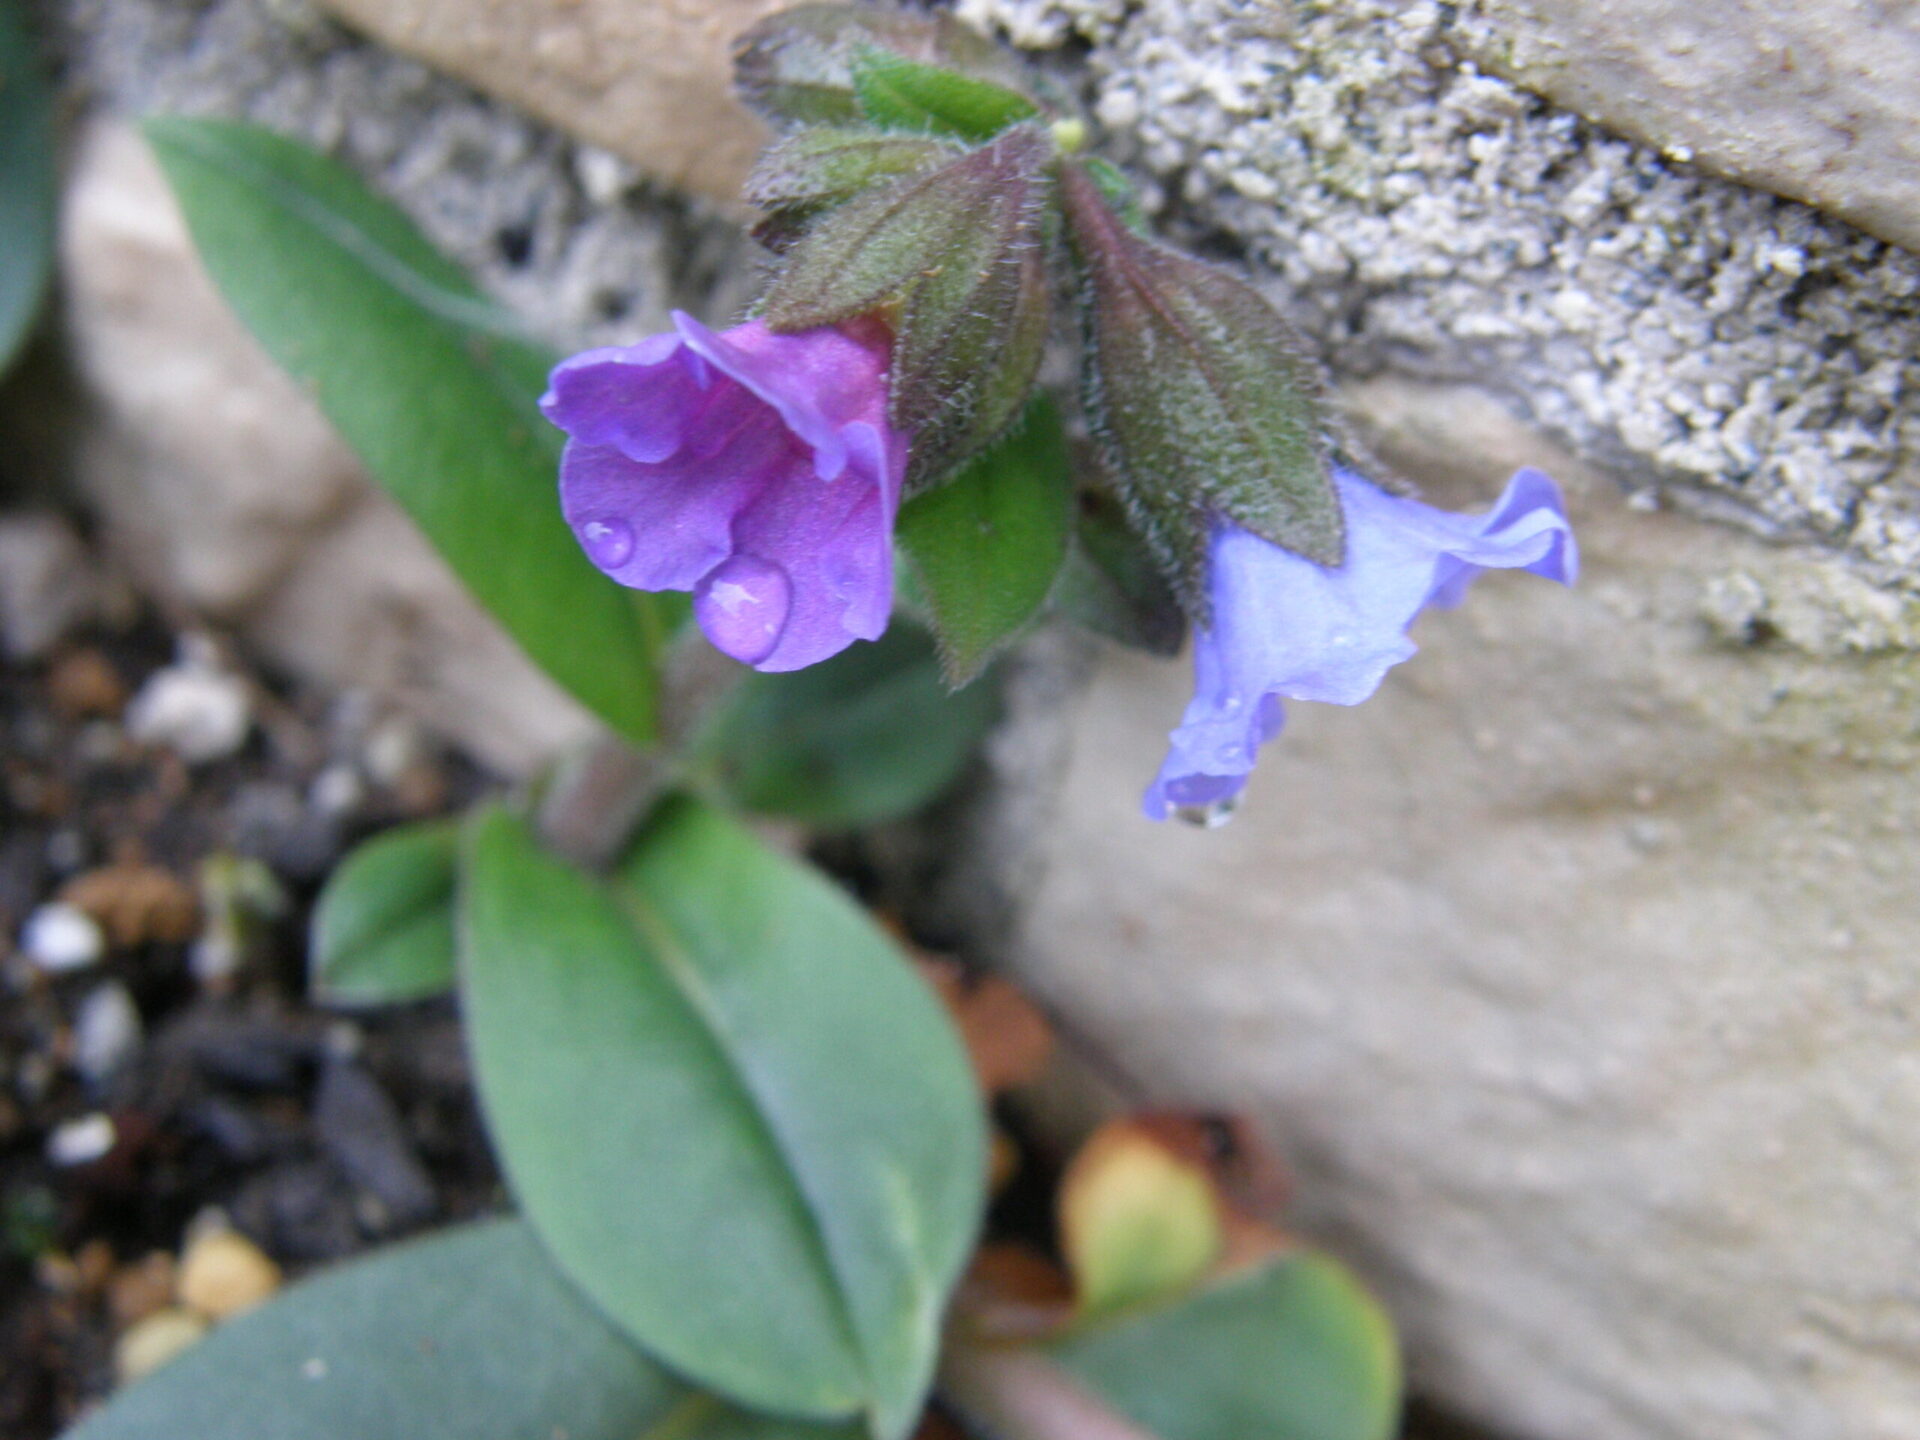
{"points": [[1282, 627]]}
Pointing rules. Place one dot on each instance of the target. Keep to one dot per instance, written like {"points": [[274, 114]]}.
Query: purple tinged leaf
{"points": [[824, 165], [956, 255], [1202, 398]]}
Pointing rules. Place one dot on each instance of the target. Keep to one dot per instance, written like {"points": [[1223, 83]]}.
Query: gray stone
{"points": [[1813, 101], [1578, 972], [645, 80], [47, 584], [1742, 355]]}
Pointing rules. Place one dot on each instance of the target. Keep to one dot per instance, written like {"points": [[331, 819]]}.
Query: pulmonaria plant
{"points": [[921, 198]]}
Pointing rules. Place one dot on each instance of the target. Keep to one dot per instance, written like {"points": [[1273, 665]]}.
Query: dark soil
{"points": [[317, 1133]]}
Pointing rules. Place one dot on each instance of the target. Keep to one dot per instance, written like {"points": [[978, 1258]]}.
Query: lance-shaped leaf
{"points": [[823, 165], [733, 1113], [819, 167], [1111, 585], [1203, 400], [427, 380], [989, 542], [897, 93], [955, 220], [382, 930], [26, 180], [797, 66], [968, 354], [471, 1332], [956, 255]]}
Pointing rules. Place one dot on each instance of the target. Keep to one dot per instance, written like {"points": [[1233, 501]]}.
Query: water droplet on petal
{"points": [[608, 541], [1210, 816], [1232, 751], [1231, 705], [743, 605]]}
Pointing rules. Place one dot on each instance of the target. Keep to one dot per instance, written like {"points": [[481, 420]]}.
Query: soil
{"points": [[315, 1133]]}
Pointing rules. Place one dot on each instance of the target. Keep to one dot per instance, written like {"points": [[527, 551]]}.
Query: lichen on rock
{"points": [[1726, 351]]}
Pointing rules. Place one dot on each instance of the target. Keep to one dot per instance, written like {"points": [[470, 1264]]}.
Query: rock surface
{"points": [[647, 82], [1745, 356], [1578, 972], [1813, 101]]}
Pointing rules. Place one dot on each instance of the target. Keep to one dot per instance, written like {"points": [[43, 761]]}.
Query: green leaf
{"points": [[470, 1333], [425, 378], [960, 222], [898, 93], [1292, 1350], [1204, 401], [1111, 585], [736, 1117], [26, 181], [382, 929], [796, 65], [823, 165], [989, 542], [870, 735]]}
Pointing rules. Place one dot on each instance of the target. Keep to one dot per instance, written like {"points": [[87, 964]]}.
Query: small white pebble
{"points": [[214, 959], [82, 1141], [59, 938], [197, 710], [391, 747], [106, 1031], [603, 175], [336, 791]]}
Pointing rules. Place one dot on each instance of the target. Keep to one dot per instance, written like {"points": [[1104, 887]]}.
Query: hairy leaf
{"points": [[897, 93], [1202, 398]]}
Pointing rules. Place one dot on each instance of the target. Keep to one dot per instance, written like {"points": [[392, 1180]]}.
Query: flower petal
{"points": [[1284, 627], [756, 470], [818, 380], [638, 399], [833, 540]]}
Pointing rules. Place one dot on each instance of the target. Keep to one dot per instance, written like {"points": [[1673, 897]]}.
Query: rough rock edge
{"points": [[568, 236], [1725, 351]]}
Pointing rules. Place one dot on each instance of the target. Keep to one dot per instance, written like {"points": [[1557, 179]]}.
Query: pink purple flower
{"points": [[1283, 627], [755, 469]]}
